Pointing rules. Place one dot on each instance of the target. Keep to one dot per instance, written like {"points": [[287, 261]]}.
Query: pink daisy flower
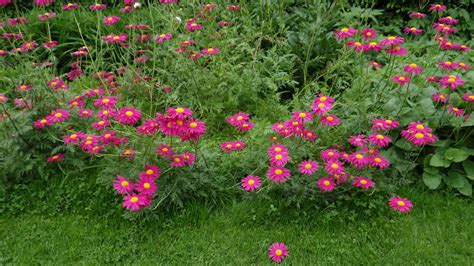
{"points": [[400, 204], [123, 185], [437, 8], [73, 138], [329, 155], [309, 135], [304, 116], [128, 115], [23, 87], [279, 159], [384, 124], [363, 182], [368, 33], [397, 50], [326, 184], [110, 20], [178, 161], [439, 98], [451, 81], [101, 124], [43, 2], [308, 167], [358, 159], [135, 202], [150, 171], [277, 149], [321, 107], [413, 31], [41, 123], [333, 167], [278, 174], [392, 41], [193, 26], [55, 158], [417, 15], [277, 252], [412, 68], [70, 6], [448, 20], [329, 120], [210, 51], [375, 64], [251, 183], [162, 37], [180, 113], [455, 111], [97, 6], [106, 102], [345, 33], [59, 115], [358, 140], [379, 140], [401, 79], [164, 150], [378, 161], [146, 186], [372, 46], [358, 46], [468, 97], [463, 66], [447, 65]]}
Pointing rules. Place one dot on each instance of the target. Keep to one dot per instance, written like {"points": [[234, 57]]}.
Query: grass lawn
{"points": [[440, 231]]}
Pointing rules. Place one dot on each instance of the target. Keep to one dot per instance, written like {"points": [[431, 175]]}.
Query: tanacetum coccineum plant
{"points": [[176, 100]]}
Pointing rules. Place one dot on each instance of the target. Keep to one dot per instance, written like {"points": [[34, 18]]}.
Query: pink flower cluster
{"points": [[419, 134], [241, 121], [138, 194]]}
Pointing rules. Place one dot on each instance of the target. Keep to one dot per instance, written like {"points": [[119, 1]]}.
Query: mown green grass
{"points": [[438, 231]]}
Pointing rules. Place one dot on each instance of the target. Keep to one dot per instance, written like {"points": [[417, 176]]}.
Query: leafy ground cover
{"points": [[438, 231]]}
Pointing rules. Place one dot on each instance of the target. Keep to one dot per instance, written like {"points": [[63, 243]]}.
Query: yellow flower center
{"points": [[278, 157], [128, 113], [193, 124], [378, 160], [278, 171], [400, 203], [302, 115], [323, 99], [330, 153], [412, 28], [177, 160], [58, 115], [373, 44], [326, 183], [110, 19], [451, 80], [379, 136], [107, 135], [179, 122], [278, 149], [146, 185], [164, 149], [134, 199], [251, 182], [462, 64], [357, 44], [124, 183], [116, 37], [240, 118], [344, 29], [455, 109], [43, 121], [448, 63], [307, 166], [334, 166], [237, 145], [329, 118], [413, 65], [369, 33], [149, 172], [321, 105], [401, 78], [359, 156], [228, 146], [278, 252], [391, 38], [101, 122], [210, 49], [419, 135], [105, 100], [363, 181]]}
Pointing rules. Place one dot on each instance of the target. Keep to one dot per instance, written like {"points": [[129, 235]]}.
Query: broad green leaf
{"points": [[438, 161], [454, 179], [469, 168], [466, 189], [432, 180], [456, 155], [469, 122], [404, 145]]}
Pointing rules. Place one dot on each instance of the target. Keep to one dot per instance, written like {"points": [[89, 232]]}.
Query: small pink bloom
{"points": [[363, 182], [250, 183], [400, 204], [277, 252], [110, 20], [326, 184], [278, 174], [345, 33], [123, 185], [308, 167], [412, 68]]}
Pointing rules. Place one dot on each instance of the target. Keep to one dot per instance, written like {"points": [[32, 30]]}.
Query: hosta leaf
{"points": [[438, 161], [456, 155], [432, 179]]}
